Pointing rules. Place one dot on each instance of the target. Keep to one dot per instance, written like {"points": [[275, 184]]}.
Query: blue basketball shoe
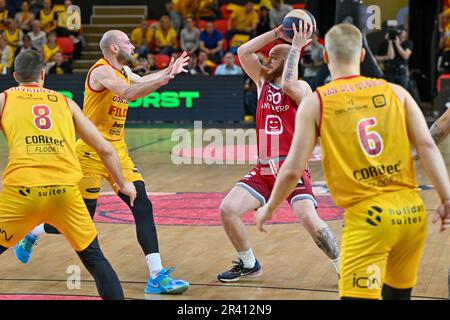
{"points": [[163, 283], [24, 248]]}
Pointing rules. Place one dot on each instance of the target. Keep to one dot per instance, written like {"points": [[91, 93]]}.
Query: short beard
{"points": [[125, 58], [275, 73]]}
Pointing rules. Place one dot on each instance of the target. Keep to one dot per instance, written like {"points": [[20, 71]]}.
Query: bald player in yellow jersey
{"points": [[110, 84], [365, 127], [42, 176]]}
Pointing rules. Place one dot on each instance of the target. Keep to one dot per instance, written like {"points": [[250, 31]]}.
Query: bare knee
{"points": [[229, 211]]}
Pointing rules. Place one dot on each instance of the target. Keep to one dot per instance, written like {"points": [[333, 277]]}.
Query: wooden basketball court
{"points": [[294, 268]]}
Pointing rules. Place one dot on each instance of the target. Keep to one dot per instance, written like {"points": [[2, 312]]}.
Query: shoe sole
{"points": [[244, 277], [177, 290]]}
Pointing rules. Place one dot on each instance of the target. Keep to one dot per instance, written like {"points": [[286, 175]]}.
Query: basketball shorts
{"points": [[22, 209], [94, 171], [382, 242], [260, 181]]}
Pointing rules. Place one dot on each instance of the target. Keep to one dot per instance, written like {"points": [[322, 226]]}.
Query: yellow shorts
{"points": [[94, 171], [382, 242], [22, 209]]}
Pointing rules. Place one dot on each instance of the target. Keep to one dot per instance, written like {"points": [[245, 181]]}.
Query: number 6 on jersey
{"points": [[42, 119], [370, 141]]}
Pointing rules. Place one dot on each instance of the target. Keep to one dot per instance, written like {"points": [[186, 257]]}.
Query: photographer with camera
{"points": [[312, 60], [395, 53]]}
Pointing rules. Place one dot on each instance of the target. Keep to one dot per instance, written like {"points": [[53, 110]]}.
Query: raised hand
{"points": [[179, 65], [301, 37]]}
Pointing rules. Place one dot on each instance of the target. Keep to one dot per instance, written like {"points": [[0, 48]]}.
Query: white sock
{"points": [[247, 258], [335, 264], [154, 263], [38, 231]]}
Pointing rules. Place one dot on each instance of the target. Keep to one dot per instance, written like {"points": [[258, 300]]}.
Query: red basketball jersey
{"points": [[275, 122]]}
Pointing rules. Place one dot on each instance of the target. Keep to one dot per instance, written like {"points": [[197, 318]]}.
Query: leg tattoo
{"points": [[326, 241]]}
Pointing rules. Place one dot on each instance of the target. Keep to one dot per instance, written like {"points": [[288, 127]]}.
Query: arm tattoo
{"points": [[292, 62], [326, 241], [437, 133]]}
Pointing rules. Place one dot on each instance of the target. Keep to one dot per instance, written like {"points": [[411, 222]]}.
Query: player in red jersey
{"points": [[279, 94]]}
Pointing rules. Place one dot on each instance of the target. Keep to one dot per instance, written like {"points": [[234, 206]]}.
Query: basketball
{"points": [[297, 16]]}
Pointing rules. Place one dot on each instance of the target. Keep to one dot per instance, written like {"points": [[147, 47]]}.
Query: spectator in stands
{"points": [[25, 17], [58, 66], [165, 37], [142, 37], [14, 6], [4, 15], [62, 28], [243, 21], [264, 21], [395, 54], [151, 62], [277, 13], [208, 10], [26, 45], [35, 7], [141, 67], [47, 17], [6, 57], [204, 66], [50, 48], [13, 35], [229, 67], [211, 42], [312, 61], [190, 37], [37, 36], [175, 17]]}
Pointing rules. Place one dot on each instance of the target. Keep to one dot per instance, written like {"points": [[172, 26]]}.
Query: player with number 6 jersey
{"points": [[365, 127]]}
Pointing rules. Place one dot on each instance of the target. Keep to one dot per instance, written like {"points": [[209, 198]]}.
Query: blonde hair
{"points": [[343, 43]]}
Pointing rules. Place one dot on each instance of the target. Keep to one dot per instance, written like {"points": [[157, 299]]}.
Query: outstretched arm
{"points": [[175, 67], [305, 137]]}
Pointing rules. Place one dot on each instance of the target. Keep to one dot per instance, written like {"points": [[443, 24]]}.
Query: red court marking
{"points": [[44, 297], [198, 209], [229, 154]]}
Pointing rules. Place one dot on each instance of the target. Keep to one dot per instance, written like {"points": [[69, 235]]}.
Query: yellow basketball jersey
{"points": [[12, 39], [46, 19], [106, 110], [364, 140], [39, 128]]}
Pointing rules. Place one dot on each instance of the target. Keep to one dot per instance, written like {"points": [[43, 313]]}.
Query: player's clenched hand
{"points": [[129, 190], [262, 215], [302, 37], [180, 64], [443, 214]]}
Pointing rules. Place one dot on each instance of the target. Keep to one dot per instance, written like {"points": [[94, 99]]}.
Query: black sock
{"points": [[390, 293], [143, 216], [108, 284], [91, 205]]}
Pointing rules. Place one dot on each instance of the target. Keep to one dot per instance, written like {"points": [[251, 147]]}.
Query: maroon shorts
{"points": [[260, 180]]}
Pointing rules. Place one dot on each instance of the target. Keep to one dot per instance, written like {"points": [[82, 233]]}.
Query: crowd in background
{"points": [[41, 26]]}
